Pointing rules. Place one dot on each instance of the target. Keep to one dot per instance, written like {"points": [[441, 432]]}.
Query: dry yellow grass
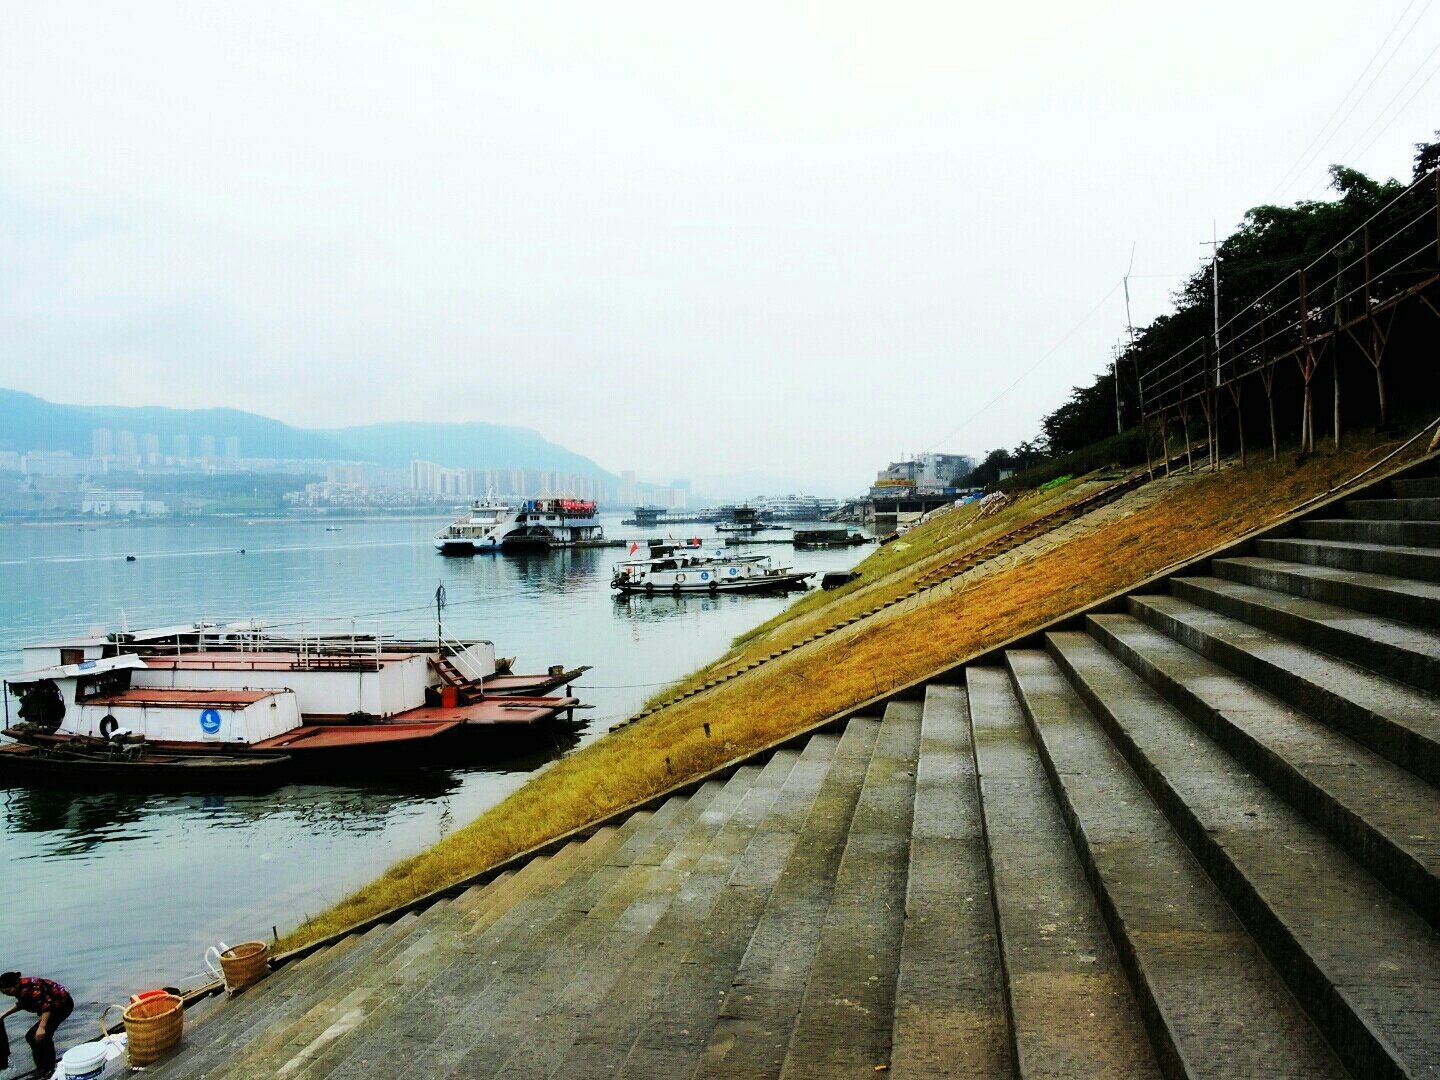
{"points": [[890, 572], [804, 687]]}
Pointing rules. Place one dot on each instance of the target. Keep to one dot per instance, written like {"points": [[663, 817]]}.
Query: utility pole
{"points": [[1115, 374], [439, 627], [1129, 322], [1214, 244]]}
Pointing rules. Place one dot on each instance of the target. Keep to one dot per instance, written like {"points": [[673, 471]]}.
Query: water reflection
{"points": [[83, 820]]}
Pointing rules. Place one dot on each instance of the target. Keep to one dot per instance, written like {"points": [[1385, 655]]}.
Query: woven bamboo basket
{"points": [[152, 1026], [245, 964]]}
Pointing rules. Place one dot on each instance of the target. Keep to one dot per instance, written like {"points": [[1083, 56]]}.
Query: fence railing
{"points": [[1349, 296]]}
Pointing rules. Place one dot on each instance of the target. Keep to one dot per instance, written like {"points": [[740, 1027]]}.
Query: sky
{"points": [[789, 241]]}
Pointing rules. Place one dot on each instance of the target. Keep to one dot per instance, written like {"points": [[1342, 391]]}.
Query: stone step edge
{"points": [[1325, 1003]]}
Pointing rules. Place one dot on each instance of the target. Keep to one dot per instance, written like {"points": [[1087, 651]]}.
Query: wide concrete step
{"points": [[1403, 599], [411, 976], [1360, 961], [1406, 509], [435, 1028], [764, 996], [677, 1033], [350, 1000], [325, 1009], [950, 998], [847, 1013], [1071, 1007], [1417, 487], [277, 1001], [606, 1041], [1397, 650], [1408, 533], [1399, 722], [1385, 816], [1214, 1006], [332, 1006], [1407, 562]]}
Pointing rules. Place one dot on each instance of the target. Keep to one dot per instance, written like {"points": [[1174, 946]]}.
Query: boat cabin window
{"points": [[664, 564], [102, 683], [72, 656]]}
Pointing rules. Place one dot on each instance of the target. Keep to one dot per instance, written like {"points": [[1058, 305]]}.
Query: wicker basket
{"points": [[152, 1026], [245, 964]]}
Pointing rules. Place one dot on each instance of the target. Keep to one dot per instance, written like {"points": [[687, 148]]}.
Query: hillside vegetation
{"points": [[1170, 522]]}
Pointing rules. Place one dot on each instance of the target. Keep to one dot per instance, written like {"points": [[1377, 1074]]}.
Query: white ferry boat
{"points": [[479, 530], [532, 525], [694, 571]]}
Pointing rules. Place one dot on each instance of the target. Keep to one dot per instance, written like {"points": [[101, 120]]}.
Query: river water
{"points": [[111, 893]]}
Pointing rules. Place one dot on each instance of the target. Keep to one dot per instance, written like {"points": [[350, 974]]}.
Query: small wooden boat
{"points": [[81, 764]]}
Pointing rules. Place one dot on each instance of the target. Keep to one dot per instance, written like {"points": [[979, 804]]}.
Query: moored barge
{"points": [[327, 702]]}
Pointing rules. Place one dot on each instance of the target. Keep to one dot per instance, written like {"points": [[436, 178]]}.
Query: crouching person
{"points": [[51, 1002]]}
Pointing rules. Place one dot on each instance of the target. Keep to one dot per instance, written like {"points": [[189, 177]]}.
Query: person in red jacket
{"points": [[51, 1001]]}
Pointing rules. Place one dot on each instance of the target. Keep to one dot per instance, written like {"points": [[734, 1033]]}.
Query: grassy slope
{"points": [[906, 643]]}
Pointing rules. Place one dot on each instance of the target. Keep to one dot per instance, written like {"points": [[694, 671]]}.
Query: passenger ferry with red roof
{"points": [[531, 525]]}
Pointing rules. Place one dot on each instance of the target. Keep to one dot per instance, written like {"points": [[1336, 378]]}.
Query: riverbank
{"points": [[1146, 531]]}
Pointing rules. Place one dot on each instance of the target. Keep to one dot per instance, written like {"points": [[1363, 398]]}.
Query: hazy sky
{"points": [[785, 238]]}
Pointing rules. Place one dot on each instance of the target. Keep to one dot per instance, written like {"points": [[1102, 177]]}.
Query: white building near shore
{"points": [[120, 502]]}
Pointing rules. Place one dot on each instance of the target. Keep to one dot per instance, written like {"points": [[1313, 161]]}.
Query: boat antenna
{"points": [[439, 607]]}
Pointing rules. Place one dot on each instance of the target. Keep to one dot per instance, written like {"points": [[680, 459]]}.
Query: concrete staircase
{"points": [[1196, 835]]}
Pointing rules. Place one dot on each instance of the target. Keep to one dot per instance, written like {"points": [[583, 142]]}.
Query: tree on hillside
{"points": [[1088, 415], [1427, 157], [987, 473]]}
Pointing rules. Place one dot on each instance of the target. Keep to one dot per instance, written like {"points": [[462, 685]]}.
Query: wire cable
{"points": [[1306, 157], [1022, 376], [1401, 111]]}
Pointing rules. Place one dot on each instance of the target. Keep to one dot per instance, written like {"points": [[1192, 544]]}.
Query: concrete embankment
{"points": [[1190, 834]]}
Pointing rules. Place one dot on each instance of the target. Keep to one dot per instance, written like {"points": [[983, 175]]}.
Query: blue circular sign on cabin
{"points": [[733, 571], [704, 575], [210, 721]]}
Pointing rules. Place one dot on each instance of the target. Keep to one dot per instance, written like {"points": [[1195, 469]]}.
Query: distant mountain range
{"points": [[31, 423]]}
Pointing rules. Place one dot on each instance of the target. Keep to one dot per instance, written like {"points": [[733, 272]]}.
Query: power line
{"points": [[1303, 162], [1019, 378], [1403, 87]]}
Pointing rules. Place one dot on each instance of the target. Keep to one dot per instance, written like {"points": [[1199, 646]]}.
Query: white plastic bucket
{"points": [[83, 1062]]}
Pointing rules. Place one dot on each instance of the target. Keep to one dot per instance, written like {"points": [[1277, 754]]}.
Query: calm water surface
{"points": [[111, 893]]}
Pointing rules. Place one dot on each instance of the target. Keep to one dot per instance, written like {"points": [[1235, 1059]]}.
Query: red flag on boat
{"points": [[634, 546]]}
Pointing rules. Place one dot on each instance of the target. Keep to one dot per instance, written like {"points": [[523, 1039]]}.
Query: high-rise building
{"points": [[628, 494], [423, 475], [102, 442], [207, 446], [232, 446], [150, 448], [180, 447], [125, 445]]}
